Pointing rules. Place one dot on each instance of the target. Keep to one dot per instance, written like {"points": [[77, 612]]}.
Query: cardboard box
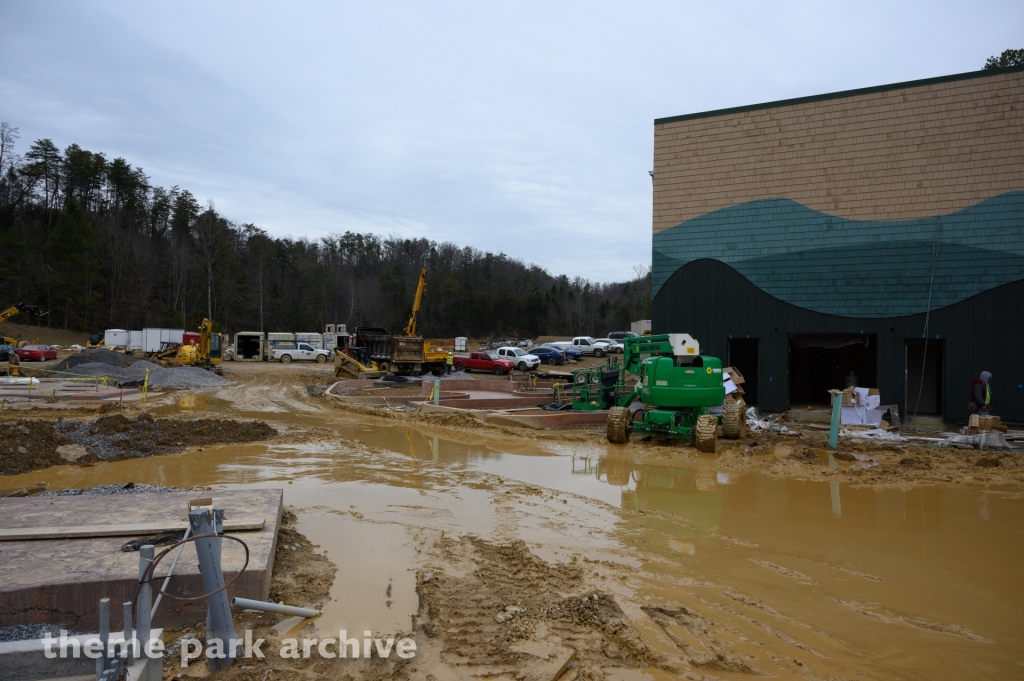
{"points": [[729, 386], [860, 416], [736, 376], [973, 421], [848, 400], [984, 423]]}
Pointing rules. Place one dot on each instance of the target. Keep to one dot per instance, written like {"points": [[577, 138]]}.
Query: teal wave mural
{"points": [[854, 268]]}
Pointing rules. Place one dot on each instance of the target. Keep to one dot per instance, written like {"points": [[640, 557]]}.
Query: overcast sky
{"points": [[518, 127]]}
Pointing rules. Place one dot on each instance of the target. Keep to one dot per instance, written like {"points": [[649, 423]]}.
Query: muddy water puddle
{"points": [[827, 578]]}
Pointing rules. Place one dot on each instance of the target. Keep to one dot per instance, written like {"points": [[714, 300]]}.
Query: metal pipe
{"points": [[102, 663], [143, 627], [129, 632], [274, 607], [170, 570]]}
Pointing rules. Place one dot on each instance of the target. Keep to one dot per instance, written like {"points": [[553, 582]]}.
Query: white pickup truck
{"points": [[585, 344], [523, 360], [286, 352]]}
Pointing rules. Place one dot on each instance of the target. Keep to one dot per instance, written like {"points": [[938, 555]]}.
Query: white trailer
{"points": [[134, 341], [115, 338]]}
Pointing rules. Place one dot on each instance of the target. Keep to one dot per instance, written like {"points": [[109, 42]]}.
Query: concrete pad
{"points": [[60, 581]]}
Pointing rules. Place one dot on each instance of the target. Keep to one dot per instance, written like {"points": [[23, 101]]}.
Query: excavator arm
{"points": [[410, 328], [30, 310]]}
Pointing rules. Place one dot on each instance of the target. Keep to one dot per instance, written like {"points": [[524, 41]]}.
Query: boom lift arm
{"points": [[410, 328]]}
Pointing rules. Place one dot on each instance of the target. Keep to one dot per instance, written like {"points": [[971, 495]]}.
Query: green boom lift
{"points": [[678, 387]]}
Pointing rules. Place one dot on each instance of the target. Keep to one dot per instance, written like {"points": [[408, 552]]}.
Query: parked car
{"points": [[612, 345], [286, 352], [619, 335], [572, 353], [485, 360], [5, 352], [585, 344], [549, 355], [38, 353], [523, 360]]}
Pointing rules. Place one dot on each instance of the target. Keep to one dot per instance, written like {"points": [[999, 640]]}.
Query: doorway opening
{"points": [[743, 356], [930, 389], [819, 362]]}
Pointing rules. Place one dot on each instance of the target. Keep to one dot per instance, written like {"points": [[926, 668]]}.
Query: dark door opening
{"points": [[930, 389], [819, 362], [248, 347], [743, 356]]}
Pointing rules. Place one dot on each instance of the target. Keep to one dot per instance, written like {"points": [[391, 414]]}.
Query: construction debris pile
{"points": [[29, 444]]}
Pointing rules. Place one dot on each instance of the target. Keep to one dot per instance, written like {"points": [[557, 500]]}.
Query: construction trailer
{"points": [[250, 346], [314, 339], [115, 338], [277, 338], [336, 336], [154, 339]]}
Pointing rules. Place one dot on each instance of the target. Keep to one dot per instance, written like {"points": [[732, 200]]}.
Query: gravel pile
{"points": [[26, 632], [185, 377], [94, 356], [127, 488], [133, 375]]}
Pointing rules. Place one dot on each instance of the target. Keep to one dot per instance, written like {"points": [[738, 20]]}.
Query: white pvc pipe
{"points": [[274, 607]]}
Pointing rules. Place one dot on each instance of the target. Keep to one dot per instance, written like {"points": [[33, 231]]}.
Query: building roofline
{"points": [[844, 93]]}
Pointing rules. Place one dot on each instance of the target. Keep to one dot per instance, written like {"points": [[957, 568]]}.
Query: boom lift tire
{"points": [[617, 426], [734, 425], [705, 433]]}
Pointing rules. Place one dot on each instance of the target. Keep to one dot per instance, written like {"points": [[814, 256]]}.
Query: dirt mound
{"points": [[27, 445]]}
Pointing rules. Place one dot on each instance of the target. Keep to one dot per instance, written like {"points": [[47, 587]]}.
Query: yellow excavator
{"points": [[30, 310], [433, 360], [206, 353]]}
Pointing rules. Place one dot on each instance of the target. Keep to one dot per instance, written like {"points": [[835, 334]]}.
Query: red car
{"points": [[483, 361], [39, 353]]}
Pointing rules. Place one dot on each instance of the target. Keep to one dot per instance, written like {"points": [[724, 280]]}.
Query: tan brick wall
{"points": [[906, 153]]}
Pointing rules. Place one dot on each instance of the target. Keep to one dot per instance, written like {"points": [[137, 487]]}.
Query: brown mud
{"points": [[32, 444], [706, 567]]}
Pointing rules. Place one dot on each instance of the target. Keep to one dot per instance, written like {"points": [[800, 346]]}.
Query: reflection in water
{"points": [[193, 402]]}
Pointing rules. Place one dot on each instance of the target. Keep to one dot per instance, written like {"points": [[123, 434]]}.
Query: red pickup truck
{"points": [[483, 361]]}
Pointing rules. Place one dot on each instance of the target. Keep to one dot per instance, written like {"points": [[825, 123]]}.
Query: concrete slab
{"points": [[60, 581]]}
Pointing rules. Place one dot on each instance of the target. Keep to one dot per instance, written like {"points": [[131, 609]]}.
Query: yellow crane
{"points": [[433, 360], [30, 310]]}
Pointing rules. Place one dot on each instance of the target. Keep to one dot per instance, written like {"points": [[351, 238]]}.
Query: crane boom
{"points": [[410, 328]]}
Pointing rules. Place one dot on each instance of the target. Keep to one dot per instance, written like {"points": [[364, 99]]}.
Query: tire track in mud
{"points": [[878, 612], [785, 572]]}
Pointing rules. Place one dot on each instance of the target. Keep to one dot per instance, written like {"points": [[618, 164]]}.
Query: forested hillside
{"points": [[95, 243]]}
